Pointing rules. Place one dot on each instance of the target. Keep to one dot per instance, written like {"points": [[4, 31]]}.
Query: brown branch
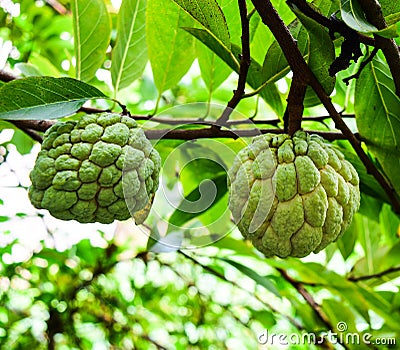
{"points": [[245, 61], [389, 47], [375, 275], [222, 277], [58, 7], [6, 76], [296, 61], [192, 134], [295, 106], [310, 301]]}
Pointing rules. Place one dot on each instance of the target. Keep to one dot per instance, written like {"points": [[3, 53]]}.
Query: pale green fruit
{"points": [[292, 195], [87, 168]]}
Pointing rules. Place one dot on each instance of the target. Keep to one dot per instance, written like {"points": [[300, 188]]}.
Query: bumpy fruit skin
{"points": [[292, 196], [87, 168]]}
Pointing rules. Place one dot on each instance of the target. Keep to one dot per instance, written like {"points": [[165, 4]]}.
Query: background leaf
{"points": [[378, 118], [129, 56], [171, 50], [214, 71], [261, 280], [44, 97], [92, 30]]}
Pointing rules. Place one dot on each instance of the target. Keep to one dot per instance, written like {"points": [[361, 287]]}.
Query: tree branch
{"points": [[374, 15], [6, 76], [375, 275], [245, 61], [295, 106], [295, 59], [334, 25], [310, 301], [222, 277]]}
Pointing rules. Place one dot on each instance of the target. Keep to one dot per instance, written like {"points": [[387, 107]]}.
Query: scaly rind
{"points": [[309, 194]]}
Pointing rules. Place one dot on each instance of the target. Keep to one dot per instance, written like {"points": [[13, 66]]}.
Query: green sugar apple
{"points": [[291, 196], [98, 169]]}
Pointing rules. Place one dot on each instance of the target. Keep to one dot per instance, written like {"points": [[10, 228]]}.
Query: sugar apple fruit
{"points": [[292, 195], [98, 169]]}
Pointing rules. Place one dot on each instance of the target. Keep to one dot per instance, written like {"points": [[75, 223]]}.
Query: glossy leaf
{"points": [[389, 7], [92, 31], [354, 16], [44, 97], [214, 71], [129, 56], [377, 109], [321, 56], [209, 15], [216, 46], [275, 65], [171, 50]]}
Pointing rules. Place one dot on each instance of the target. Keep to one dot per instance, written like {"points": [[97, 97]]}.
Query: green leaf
{"points": [[389, 7], [215, 45], [261, 280], [389, 32], [22, 141], [92, 32], [44, 97], [129, 56], [213, 70], [390, 225], [195, 204], [354, 16], [238, 246], [339, 314], [171, 50], [275, 65], [377, 109], [347, 242], [368, 236], [261, 38], [209, 15], [270, 92], [4, 218], [392, 18], [27, 69], [44, 65], [231, 13]]}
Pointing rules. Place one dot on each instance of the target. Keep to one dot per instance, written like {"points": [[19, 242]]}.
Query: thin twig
{"points": [[58, 7], [362, 66], [375, 275], [6, 76], [310, 301], [245, 62], [222, 277], [192, 134]]}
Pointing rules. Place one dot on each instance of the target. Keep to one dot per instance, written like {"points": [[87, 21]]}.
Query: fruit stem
{"points": [[295, 107]]}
